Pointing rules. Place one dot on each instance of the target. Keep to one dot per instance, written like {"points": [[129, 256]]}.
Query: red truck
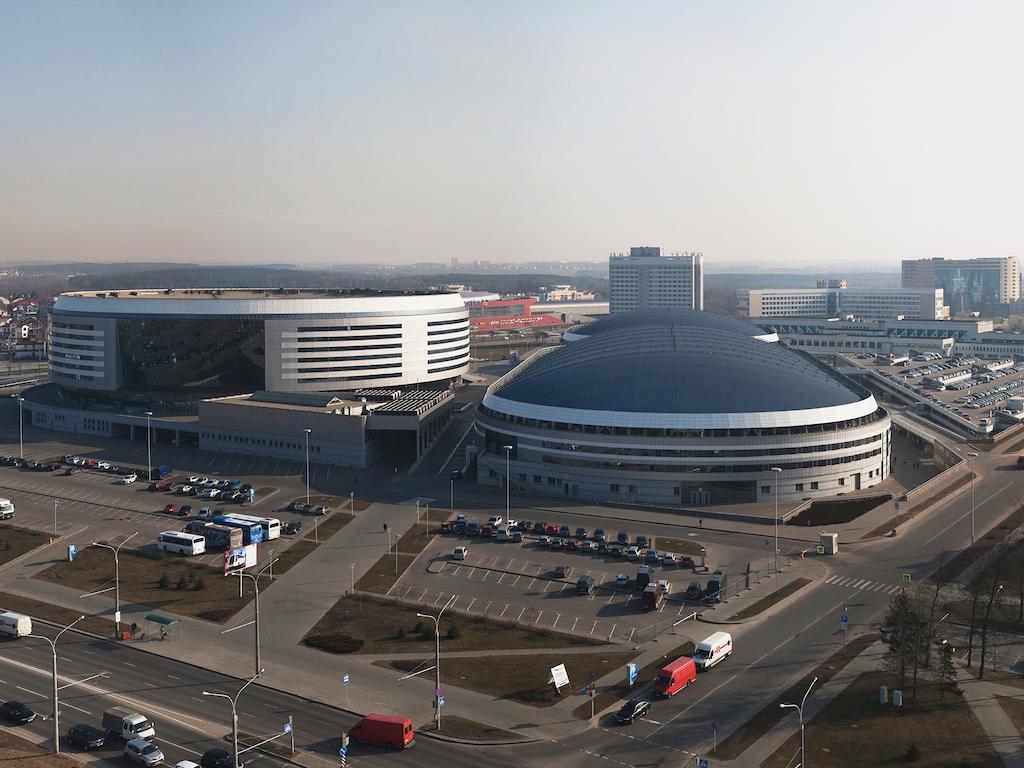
{"points": [[673, 677], [384, 731]]}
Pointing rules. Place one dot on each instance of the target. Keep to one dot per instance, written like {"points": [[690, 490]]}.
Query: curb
{"points": [[767, 612], [474, 743]]}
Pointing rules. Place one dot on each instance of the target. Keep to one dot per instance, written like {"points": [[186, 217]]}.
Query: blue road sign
{"points": [[344, 680], [714, 725], [703, 762], [342, 751], [633, 671], [287, 727], [440, 701], [72, 551]]}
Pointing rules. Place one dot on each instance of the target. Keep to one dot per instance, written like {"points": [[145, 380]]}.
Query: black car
{"points": [[186, 510], [599, 535], [525, 526], [217, 758], [86, 737], [633, 709], [292, 527], [16, 712]]}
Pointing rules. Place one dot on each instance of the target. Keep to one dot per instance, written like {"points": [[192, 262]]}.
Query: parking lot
{"points": [[517, 582]]}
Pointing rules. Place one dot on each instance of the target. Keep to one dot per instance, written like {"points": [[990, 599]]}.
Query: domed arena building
{"points": [[680, 408]]}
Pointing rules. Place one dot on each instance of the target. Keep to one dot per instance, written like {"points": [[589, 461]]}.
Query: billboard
{"points": [[239, 558]]}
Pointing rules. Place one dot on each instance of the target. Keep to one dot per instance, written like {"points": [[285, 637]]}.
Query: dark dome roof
{"points": [[671, 369], [685, 318]]}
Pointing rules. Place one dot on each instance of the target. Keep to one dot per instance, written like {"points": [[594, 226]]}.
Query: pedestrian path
{"points": [[863, 585], [981, 696]]}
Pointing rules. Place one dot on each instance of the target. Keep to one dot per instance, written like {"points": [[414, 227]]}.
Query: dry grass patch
{"points": [[386, 572], [767, 602], [521, 678], [364, 624], [16, 751], [855, 728], [679, 546], [15, 542], [172, 584], [470, 730], [48, 612]]}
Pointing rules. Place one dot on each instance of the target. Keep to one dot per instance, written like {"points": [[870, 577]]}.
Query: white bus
{"points": [[271, 525], [181, 543]]}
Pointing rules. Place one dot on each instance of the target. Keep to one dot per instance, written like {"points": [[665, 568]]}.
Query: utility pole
{"points": [[508, 480], [972, 455], [307, 431], [117, 579], [234, 712], [256, 604], [778, 576], [149, 446], [437, 658], [56, 707], [800, 710]]}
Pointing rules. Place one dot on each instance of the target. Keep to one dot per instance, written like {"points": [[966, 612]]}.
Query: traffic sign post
{"points": [[343, 750], [844, 624], [289, 728], [907, 576], [703, 762], [344, 682], [714, 736]]}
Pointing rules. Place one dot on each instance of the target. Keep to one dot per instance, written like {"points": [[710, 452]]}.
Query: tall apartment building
{"points": [[834, 299], [647, 280], [969, 285]]}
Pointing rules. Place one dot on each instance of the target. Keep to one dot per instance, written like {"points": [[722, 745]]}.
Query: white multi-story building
{"points": [[835, 301], [646, 280], [559, 293]]}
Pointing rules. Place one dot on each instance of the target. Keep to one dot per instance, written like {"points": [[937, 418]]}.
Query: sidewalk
{"points": [[981, 696]]}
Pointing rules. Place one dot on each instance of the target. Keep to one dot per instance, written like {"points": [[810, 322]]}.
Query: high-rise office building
{"points": [[967, 284], [647, 280]]}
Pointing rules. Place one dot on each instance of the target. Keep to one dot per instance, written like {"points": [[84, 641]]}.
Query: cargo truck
{"points": [[384, 731], [127, 724], [673, 677]]}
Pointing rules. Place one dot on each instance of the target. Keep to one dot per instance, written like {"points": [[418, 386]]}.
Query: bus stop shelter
{"points": [[160, 627]]}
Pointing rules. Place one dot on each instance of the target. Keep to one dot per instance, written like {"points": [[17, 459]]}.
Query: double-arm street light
{"points": [[307, 431], [437, 659], [21, 427], [56, 709], [972, 455], [778, 577], [508, 480], [149, 446], [117, 579], [256, 586], [234, 712], [800, 710]]}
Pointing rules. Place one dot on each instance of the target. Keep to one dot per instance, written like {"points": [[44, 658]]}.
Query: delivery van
{"points": [[712, 650], [673, 677], [384, 731], [128, 724], [15, 625], [652, 597]]}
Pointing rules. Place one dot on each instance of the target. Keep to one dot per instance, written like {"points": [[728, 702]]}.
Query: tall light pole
{"points": [[972, 455], [234, 711], [307, 431], [451, 481], [508, 480], [256, 587], [56, 710], [352, 503], [117, 579], [149, 445], [437, 659], [778, 577], [55, 518], [21, 427], [800, 709]]}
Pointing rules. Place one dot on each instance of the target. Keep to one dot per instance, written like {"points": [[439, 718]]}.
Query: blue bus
{"points": [[252, 533]]}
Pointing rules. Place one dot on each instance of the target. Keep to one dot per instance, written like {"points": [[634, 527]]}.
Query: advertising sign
{"points": [[559, 676]]}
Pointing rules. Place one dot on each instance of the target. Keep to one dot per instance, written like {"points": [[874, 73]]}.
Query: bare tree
{"points": [[994, 589], [899, 633]]}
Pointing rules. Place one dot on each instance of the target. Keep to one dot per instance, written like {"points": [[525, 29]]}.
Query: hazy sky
{"points": [[774, 132]]}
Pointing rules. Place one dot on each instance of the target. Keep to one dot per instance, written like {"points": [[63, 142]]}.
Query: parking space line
{"points": [[438, 598], [555, 623], [407, 591], [593, 627], [610, 598], [486, 574], [471, 572], [456, 571], [520, 615], [517, 580], [564, 587], [574, 622], [487, 607], [502, 576], [546, 585], [535, 622], [530, 585], [503, 611], [470, 606]]}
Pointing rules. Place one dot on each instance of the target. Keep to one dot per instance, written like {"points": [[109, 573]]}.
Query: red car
{"points": [[170, 509], [685, 562], [572, 544], [551, 530]]}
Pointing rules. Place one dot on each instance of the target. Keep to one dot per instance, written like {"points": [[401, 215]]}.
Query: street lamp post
{"points": [[149, 446], [800, 710], [437, 659], [234, 712], [56, 710], [21, 427], [352, 503], [55, 518], [451, 506], [307, 431], [972, 455], [117, 579], [256, 604], [778, 576], [508, 479]]}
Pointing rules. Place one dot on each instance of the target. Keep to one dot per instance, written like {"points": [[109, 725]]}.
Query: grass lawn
{"points": [[679, 546], [767, 602], [758, 725], [206, 593], [608, 696], [365, 624], [17, 751], [15, 542], [855, 724], [384, 574], [837, 511], [39, 610], [461, 728], [325, 528], [1014, 709], [521, 678]]}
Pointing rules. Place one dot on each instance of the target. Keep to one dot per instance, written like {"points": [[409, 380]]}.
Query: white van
{"points": [[503, 534], [15, 625], [712, 650], [6, 509]]}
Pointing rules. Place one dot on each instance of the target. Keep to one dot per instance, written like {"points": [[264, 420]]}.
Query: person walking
{"points": [[135, 628]]}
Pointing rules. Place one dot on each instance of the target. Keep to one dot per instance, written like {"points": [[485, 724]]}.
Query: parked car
{"points": [[633, 553], [685, 562], [170, 509], [460, 553], [103, 465], [525, 525], [565, 531], [86, 737], [217, 758], [643, 542], [615, 550], [622, 580], [543, 541], [128, 479], [572, 545], [623, 538], [16, 712], [665, 586], [540, 527], [632, 710], [196, 479], [588, 546], [581, 533], [651, 556], [694, 591], [562, 571], [143, 752], [599, 535], [495, 520], [668, 558], [186, 510], [557, 542], [602, 546], [292, 527], [518, 536], [551, 529], [320, 511]]}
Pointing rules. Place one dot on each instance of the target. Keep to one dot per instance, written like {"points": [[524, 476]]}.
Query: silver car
{"points": [[143, 752]]}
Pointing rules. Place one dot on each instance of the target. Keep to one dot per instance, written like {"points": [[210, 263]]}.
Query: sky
{"points": [[771, 134]]}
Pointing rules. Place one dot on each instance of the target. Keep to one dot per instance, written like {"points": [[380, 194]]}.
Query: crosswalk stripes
{"points": [[863, 585]]}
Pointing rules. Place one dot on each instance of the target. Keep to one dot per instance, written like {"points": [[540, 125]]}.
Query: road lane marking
{"points": [[968, 513], [26, 690], [833, 578], [72, 706], [174, 677], [517, 579]]}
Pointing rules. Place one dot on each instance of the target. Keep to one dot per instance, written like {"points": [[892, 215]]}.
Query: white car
{"points": [[205, 513], [633, 553], [622, 580], [494, 521], [103, 465], [185, 490], [460, 553], [128, 479], [195, 480], [143, 752], [186, 764], [209, 493], [665, 586]]}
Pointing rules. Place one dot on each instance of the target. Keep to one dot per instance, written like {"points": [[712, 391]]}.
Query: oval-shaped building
{"points": [[686, 412]]}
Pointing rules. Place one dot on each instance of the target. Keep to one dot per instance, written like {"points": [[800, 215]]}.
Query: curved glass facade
{"points": [[197, 357]]}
